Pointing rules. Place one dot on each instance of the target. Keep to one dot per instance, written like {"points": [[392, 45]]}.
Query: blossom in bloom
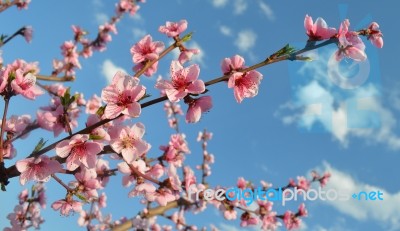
{"points": [[17, 124], [122, 96], [291, 221], [245, 85], [197, 107], [25, 85], [146, 49], [37, 168], [127, 6], [70, 53], [183, 81], [318, 30], [302, 210], [79, 150], [172, 29], [86, 183], [375, 35], [186, 54], [246, 219], [66, 206], [93, 104], [235, 63], [270, 222], [129, 142], [350, 44]]}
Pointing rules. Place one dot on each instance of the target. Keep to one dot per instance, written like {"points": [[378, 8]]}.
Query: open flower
{"points": [[37, 168], [129, 142], [172, 29], [375, 35], [245, 85], [318, 30], [350, 44], [79, 151], [183, 81], [122, 96], [197, 107]]}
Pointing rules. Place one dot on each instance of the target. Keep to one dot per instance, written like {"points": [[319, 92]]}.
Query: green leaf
{"points": [[95, 137], [100, 111], [81, 197], [39, 145], [187, 37]]}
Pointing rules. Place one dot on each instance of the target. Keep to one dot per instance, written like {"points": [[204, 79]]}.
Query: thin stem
{"points": [[66, 78], [12, 36], [3, 124], [7, 5], [61, 183]]}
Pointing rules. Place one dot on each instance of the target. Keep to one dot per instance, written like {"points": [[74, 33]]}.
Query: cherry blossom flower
{"points": [[270, 222], [25, 85], [173, 29], [291, 221], [28, 33], [86, 183], [350, 44], [79, 151], [122, 96], [233, 64], [93, 104], [126, 6], [70, 53], [17, 124], [37, 168], [129, 142], [146, 50], [183, 81], [246, 219], [302, 210], [375, 35], [197, 107], [66, 206], [187, 54], [245, 85], [318, 30]]}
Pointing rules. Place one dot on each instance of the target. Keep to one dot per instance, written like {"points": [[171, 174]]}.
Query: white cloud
{"points": [[358, 112], [225, 30], [101, 18], [219, 3], [109, 69], [385, 212], [138, 33], [97, 3], [246, 40], [239, 6], [266, 9]]}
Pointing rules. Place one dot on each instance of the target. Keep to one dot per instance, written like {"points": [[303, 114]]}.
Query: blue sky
{"points": [[300, 120]]}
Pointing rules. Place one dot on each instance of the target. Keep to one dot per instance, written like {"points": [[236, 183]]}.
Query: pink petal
{"points": [[196, 87]]}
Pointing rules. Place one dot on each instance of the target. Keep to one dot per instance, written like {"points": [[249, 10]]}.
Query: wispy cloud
{"points": [[219, 3], [239, 6], [101, 18], [385, 212], [357, 112], [108, 70], [266, 10], [246, 40], [225, 30]]}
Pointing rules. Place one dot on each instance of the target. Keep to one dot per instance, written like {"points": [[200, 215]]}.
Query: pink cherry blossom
{"points": [[187, 54], [146, 49], [129, 142], [37, 168], [318, 30], [25, 85], [66, 206], [302, 210], [79, 151], [291, 221], [245, 85], [197, 107], [173, 29], [86, 183], [127, 6], [28, 33], [375, 35], [70, 53], [302, 183], [270, 222], [233, 64], [246, 220], [122, 96], [183, 81], [93, 104], [350, 44], [17, 124]]}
